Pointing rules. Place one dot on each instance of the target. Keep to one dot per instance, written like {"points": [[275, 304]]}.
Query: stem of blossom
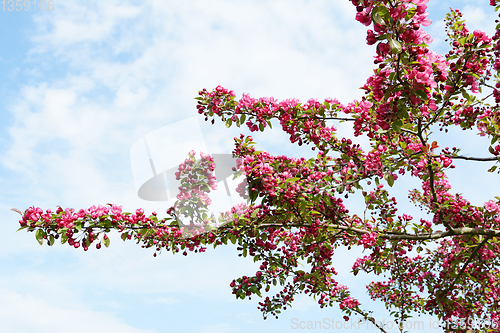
{"points": [[366, 317]]}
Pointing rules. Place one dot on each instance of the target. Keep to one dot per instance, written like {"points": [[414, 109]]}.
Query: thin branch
{"points": [[408, 131], [431, 176], [335, 118], [479, 159], [304, 117], [401, 235]]}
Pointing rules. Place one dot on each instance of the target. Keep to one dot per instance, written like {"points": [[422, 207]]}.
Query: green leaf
{"points": [[390, 180], [395, 46], [404, 114], [410, 13], [229, 122], [408, 126], [474, 75], [465, 94], [39, 236], [261, 127], [233, 238], [252, 195], [253, 289], [470, 37], [51, 240], [376, 17], [21, 228], [321, 111], [421, 94], [440, 306], [255, 212], [396, 125], [377, 181], [384, 13], [64, 238], [106, 241]]}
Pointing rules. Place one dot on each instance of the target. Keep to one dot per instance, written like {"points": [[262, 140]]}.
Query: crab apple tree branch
{"points": [[444, 263]]}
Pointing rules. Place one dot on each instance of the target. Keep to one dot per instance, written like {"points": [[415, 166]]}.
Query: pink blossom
{"points": [[364, 18], [371, 38], [491, 207]]}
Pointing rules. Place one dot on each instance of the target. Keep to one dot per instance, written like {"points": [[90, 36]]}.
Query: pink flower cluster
{"points": [[348, 302], [196, 186], [368, 240]]}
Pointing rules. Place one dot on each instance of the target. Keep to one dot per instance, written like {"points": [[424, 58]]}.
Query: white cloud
{"points": [[92, 21], [25, 313], [67, 129]]}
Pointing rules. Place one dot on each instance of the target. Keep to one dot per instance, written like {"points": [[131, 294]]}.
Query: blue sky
{"points": [[82, 83]]}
